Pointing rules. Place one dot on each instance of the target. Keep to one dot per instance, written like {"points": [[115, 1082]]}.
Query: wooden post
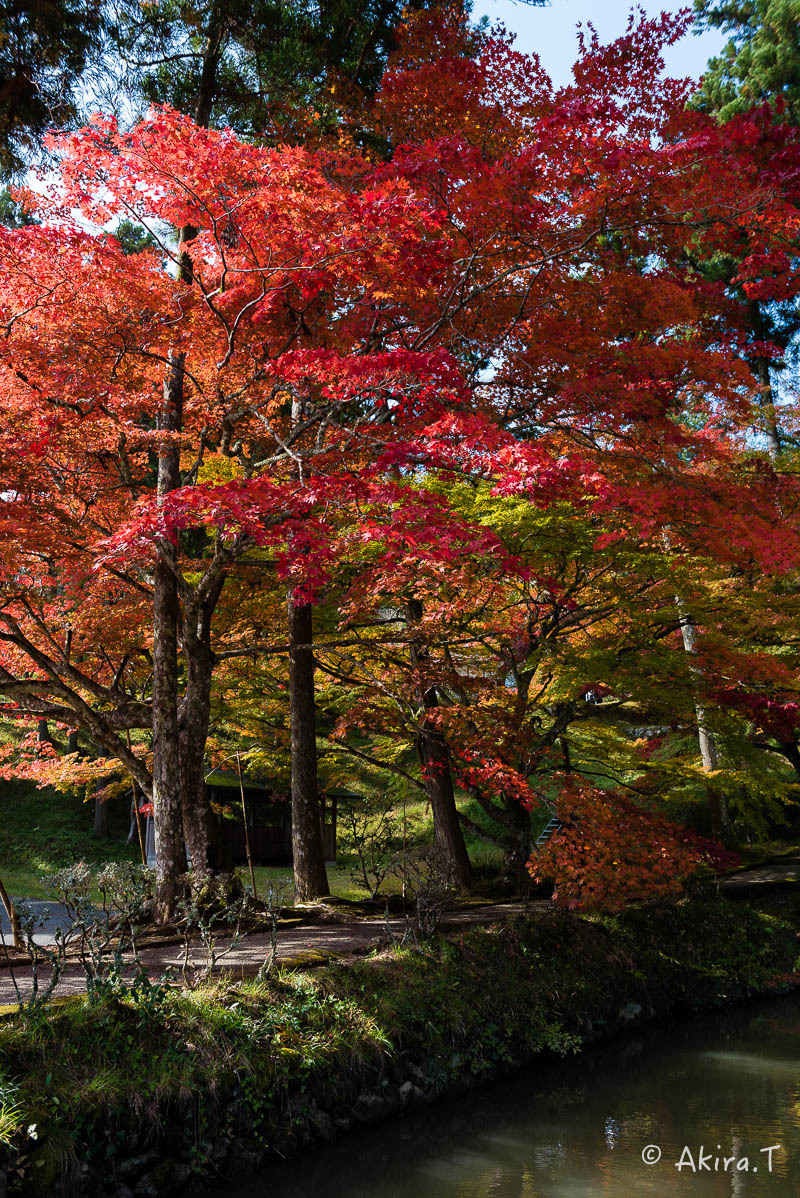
{"points": [[246, 829], [12, 916], [142, 849]]}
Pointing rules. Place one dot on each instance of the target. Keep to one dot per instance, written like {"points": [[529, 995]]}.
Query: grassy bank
{"points": [[44, 831], [174, 1086]]}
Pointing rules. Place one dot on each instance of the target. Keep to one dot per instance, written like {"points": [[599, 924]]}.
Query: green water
{"points": [[579, 1128]]}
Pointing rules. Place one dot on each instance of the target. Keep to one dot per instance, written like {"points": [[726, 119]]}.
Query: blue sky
{"points": [[551, 31]]}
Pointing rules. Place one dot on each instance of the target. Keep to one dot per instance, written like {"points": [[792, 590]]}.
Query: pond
{"points": [[694, 1108]]}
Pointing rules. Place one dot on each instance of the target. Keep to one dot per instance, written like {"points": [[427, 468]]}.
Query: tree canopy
{"points": [[466, 389]]}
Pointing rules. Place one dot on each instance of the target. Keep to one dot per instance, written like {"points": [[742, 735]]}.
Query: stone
{"points": [[632, 1011], [134, 1165], [146, 1188], [411, 1095], [322, 1125], [180, 1175], [420, 1078], [284, 1145], [220, 1150], [372, 1107]]}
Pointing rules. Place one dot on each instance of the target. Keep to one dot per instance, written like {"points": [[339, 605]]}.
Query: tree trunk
{"points": [[100, 816], [179, 808], [767, 403], [707, 741], [310, 877], [167, 815], [43, 736], [13, 918], [437, 777], [194, 801], [206, 91], [183, 730], [760, 367], [516, 842], [206, 849]]}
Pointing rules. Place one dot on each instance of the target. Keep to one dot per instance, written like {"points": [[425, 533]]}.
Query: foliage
{"points": [[427, 879], [761, 62], [209, 911], [10, 1117], [610, 852], [374, 837], [484, 400], [44, 48], [104, 940]]}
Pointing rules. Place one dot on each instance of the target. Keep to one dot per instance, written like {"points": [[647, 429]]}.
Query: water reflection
{"points": [[578, 1129]]}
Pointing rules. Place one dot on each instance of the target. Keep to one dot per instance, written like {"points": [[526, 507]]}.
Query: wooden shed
{"points": [[269, 819]]}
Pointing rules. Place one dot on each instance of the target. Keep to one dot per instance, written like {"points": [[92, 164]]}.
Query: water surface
{"points": [[726, 1085]]}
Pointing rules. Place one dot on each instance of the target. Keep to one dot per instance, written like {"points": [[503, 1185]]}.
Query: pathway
{"points": [[775, 872], [317, 934]]}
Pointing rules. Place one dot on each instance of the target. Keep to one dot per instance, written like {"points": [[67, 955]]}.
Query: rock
{"points": [[284, 1145], [322, 1125], [420, 1078], [146, 1188], [134, 1165], [411, 1095], [371, 1108], [180, 1175], [632, 1011], [220, 1150]]}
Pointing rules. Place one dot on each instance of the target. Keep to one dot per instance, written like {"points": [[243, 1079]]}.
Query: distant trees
{"points": [[45, 48]]}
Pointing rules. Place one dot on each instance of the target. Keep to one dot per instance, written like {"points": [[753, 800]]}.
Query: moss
{"points": [[254, 1061]]}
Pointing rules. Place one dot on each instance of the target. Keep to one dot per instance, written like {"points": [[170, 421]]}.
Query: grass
{"points": [[339, 878], [766, 850], [44, 830]]}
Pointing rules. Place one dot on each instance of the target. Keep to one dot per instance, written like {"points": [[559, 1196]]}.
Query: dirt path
{"points": [[307, 939], [771, 873]]}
